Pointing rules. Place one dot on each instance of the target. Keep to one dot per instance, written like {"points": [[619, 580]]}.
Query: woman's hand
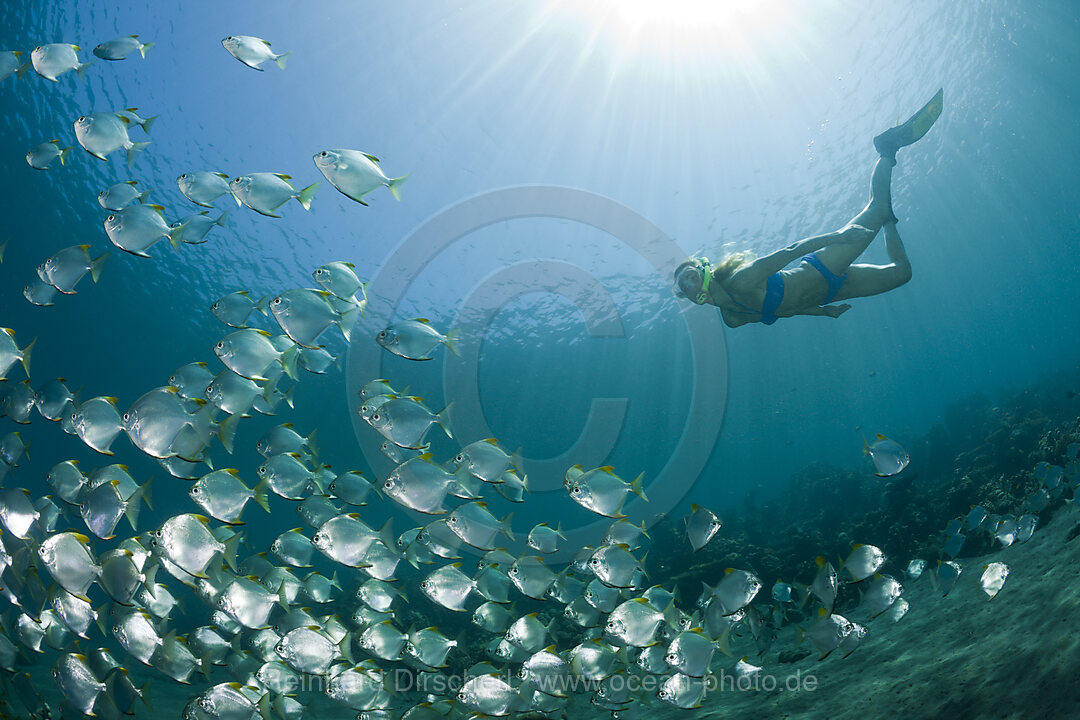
{"points": [[835, 311]]}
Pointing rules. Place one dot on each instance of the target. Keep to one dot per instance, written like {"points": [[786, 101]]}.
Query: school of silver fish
{"points": [[70, 572]]}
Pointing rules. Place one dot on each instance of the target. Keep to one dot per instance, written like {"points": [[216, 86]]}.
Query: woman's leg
{"points": [[866, 280], [853, 240]]}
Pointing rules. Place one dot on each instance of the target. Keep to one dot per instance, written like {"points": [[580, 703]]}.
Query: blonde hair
{"points": [[732, 263]]}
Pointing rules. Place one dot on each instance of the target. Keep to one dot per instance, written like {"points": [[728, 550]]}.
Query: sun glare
{"points": [[679, 19]]}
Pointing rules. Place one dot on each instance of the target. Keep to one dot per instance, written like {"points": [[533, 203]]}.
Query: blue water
{"points": [[748, 133]]}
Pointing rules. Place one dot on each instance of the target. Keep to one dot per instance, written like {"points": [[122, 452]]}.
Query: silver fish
{"points": [[53, 60], [193, 229], [383, 640], [828, 632], [601, 490], [102, 508], [701, 525], [17, 512], [351, 487], [97, 423], [41, 156], [287, 475], [253, 51], [120, 195], [186, 541], [235, 308], [419, 484], [824, 585], [339, 278], [77, 681], [293, 547], [683, 691], [863, 561], [348, 540], [247, 602], [305, 314], [691, 652], [405, 421], [531, 576], [39, 293], [474, 524], [104, 132], [10, 64], [191, 380], [203, 188], [735, 590], [65, 268], [266, 192], [138, 228], [882, 592], [634, 622], [615, 566], [308, 650], [10, 352], [121, 47], [488, 695], [250, 354], [544, 539], [993, 578], [448, 586], [222, 495], [528, 633], [154, 421], [889, 458], [416, 339], [355, 173], [68, 559]]}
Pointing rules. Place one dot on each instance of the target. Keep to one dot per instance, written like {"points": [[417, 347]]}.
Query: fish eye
{"points": [[195, 490], [219, 346], [387, 485], [81, 119], [183, 175], [323, 154], [276, 301], [127, 416], [111, 218], [375, 416]]}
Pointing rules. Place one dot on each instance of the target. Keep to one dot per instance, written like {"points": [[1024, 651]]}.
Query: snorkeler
{"points": [[749, 289]]}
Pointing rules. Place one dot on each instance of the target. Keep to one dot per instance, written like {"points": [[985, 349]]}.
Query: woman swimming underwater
{"points": [[749, 289]]}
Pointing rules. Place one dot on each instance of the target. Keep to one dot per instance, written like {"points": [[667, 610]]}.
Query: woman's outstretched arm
{"points": [[759, 270]]}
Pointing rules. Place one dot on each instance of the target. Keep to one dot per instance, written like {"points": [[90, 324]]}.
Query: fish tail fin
{"points": [[146, 488], [145, 48], [97, 264], [637, 488], [313, 444], [134, 150], [386, 534], [232, 545], [26, 357], [227, 432], [865, 446], [220, 222], [288, 361], [81, 69], [506, 526], [261, 305], [282, 59], [444, 421], [307, 194], [64, 153], [261, 495], [148, 122], [289, 396], [24, 68], [395, 186], [131, 512], [144, 194], [452, 341]]}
